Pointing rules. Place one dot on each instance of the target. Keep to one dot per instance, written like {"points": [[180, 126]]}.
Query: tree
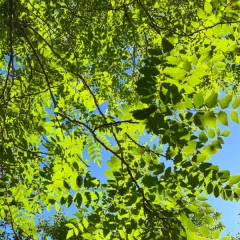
{"points": [[55, 227], [166, 71]]}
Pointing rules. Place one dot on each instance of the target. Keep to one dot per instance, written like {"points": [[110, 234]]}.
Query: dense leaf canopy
{"points": [[167, 71]]}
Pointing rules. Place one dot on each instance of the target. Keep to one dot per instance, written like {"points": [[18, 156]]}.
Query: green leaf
{"points": [[209, 220], [210, 119], [193, 208], [218, 57], [190, 148], [226, 238], [234, 116], [208, 7], [187, 66], [201, 198], [204, 230], [70, 225], [211, 133], [85, 222], [155, 51], [176, 73], [236, 103], [203, 137], [188, 223], [223, 118], [224, 175], [144, 113], [202, 156], [209, 188], [79, 181], [57, 207], [66, 185], [225, 101], [69, 200], [152, 71], [78, 200], [167, 46], [193, 81], [225, 133], [69, 234], [216, 191], [114, 162], [212, 100], [234, 179], [149, 181], [76, 231], [216, 234]]}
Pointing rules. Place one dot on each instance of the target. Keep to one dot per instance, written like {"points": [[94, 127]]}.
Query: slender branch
{"points": [[114, 123], [104, 117], [12, 222], [153, 24], [100, 9], [148, 150], [114, 153], [6, 80], [82, 161], [91, 131], [203, 29], [41, 65], [34, 152]]}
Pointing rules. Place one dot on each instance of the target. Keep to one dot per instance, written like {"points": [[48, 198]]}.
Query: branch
{"points": [[12, 222], [82, 160], [104, 117], [114, 153], [114, 123], [203, 29], [34, 152], [153, 24], [41, 65], [148, 150], [100, 9], [91, 131], [6, 80]]}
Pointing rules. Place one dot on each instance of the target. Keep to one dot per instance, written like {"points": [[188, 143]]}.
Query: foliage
{"points": [[168, 71], [56, 228]]}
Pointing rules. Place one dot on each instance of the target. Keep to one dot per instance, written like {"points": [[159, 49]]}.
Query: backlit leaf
{"points": [[236, 103], [223, 118], [225, 101], [234, 116], [212, 100]]}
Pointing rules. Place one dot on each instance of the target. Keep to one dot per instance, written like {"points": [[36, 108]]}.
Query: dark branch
{"points": [[114, 123]]}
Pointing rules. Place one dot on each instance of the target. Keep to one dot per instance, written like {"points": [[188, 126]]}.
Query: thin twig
{"points": [[148, 150], [104, 117], [114, 123], [114, 153], [41, 65], [35, 152]]}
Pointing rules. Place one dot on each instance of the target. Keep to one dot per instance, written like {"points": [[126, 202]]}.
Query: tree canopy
{"points": [[165, 71]]}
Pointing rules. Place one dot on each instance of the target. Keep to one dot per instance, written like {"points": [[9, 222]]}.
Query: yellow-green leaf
{"points": [[223, 118], [234, 116], [69, 234], [236, 103], [225, 101]]}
